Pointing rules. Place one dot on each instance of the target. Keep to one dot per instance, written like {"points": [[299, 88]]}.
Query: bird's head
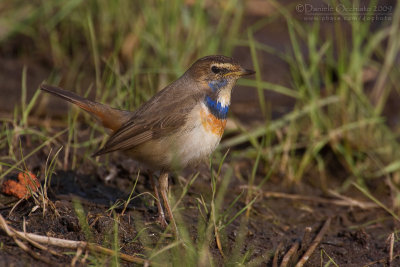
{"points": [[217, 70], [217, 75]]}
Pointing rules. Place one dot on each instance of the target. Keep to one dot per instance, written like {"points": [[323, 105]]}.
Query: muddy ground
{"points": [[355, 237], [281, 216]]}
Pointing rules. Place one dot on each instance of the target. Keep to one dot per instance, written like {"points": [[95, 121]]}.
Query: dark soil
{"points": [[356, 237]]}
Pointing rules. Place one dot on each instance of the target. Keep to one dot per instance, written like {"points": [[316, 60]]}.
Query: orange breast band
{"points": [[211, 123]]}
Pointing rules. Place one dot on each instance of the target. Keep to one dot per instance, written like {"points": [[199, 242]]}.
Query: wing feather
{"points": [[153, 120]]}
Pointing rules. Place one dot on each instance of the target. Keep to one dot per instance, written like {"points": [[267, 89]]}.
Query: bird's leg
{"points": [[163, 180], [161, 216]]}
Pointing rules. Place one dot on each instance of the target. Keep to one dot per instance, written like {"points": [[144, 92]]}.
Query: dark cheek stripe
{"points": [[216, 108]]}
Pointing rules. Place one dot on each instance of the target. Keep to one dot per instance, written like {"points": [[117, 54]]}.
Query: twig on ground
{"points": [[353, 202], [315, 243], [10, 232], [76, 257], [83, 261], [343, 201], [64, 243], [25, 248], [374, 199], [276, 255], [384, 260], [391, 247], [35, 244], [15, 205], [305, 242], [292, 251]]}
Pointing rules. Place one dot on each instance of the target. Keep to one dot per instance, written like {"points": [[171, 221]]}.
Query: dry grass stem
{"points": [[315, 243], [343, 201], [63, 243], [276, 255], [391, 247], [218, 241], [292, 251], [76, 257], [305, 242], [383, 261]]}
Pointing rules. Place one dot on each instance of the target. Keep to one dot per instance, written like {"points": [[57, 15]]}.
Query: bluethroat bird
{"points": [[179, 126]]}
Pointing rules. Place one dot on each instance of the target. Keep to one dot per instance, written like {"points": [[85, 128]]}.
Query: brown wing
{"points": [[161, 116]]}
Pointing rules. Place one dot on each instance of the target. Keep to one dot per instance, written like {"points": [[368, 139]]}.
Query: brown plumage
{"points": [[111, 118], [172, 129]]}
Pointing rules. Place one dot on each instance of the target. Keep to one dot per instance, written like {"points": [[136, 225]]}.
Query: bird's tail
{"points": [[110, 117]]}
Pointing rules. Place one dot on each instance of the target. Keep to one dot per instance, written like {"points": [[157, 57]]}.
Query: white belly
{"points": [[196, 145], [201, 137], [198, 138]]}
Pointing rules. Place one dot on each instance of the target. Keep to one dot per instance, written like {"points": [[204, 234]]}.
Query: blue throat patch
{"points": [[218, 84], [216, 108]]}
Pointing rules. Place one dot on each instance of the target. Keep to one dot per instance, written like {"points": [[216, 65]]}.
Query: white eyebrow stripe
{"points": [[223, 65]]}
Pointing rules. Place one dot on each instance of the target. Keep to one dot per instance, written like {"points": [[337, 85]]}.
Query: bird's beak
{"points": [[241, 72], [244, 72]]}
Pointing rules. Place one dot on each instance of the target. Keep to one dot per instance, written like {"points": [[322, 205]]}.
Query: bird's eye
{"points": [[215, 69]]}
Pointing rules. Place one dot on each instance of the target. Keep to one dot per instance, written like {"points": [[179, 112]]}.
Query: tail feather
{"points": [[110, 117]]}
